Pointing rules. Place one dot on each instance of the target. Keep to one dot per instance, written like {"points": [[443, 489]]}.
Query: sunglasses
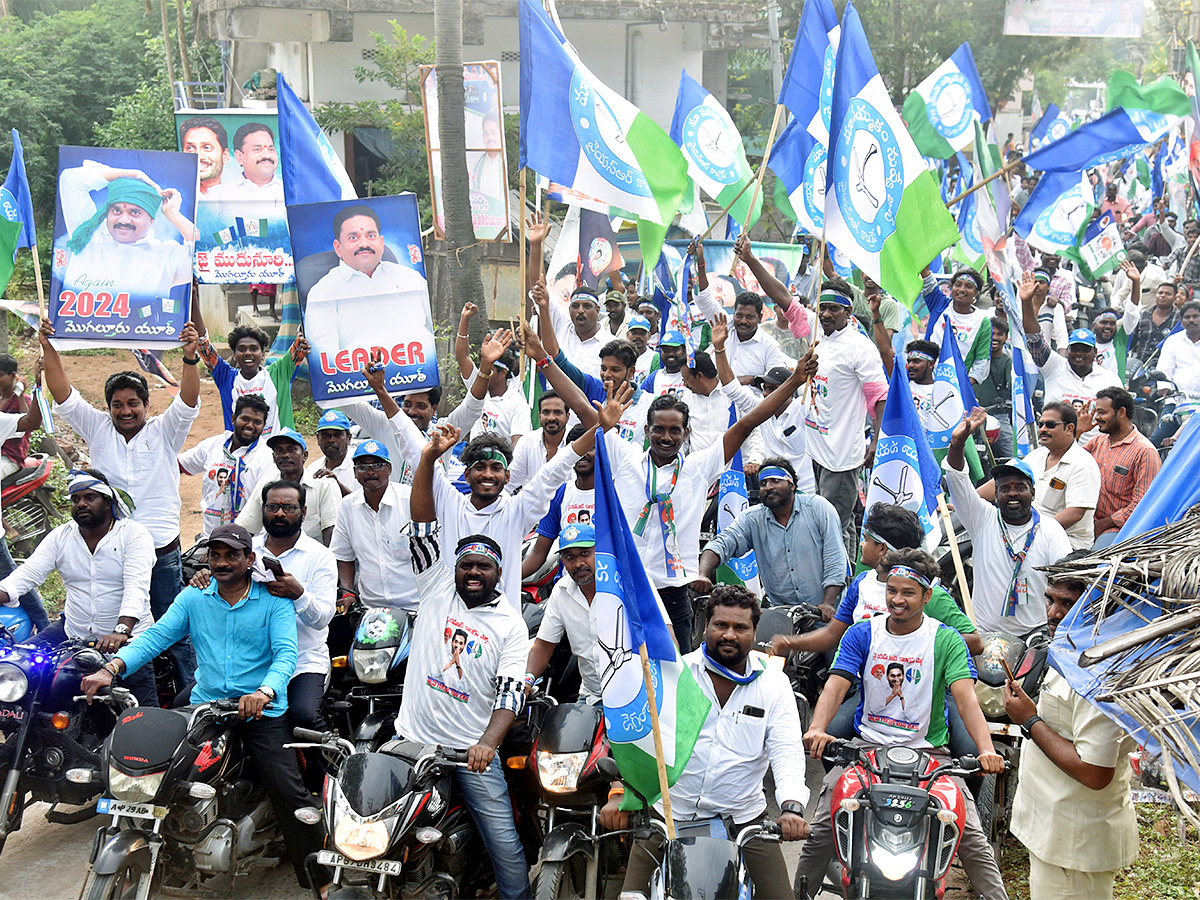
{"points": [[1048, 425]]}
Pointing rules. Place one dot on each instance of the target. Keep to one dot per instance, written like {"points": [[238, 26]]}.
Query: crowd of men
{"points": [[404, 503]]}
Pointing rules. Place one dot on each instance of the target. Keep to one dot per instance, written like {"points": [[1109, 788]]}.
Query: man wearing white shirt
{"points": [[370, 539], [849, 385], [751, 723], [139, 455], [751, 351], [104, 559], [231, 463], [288, 452], [333, 440], [254, 151], [1180, 360], [578, 330], [540, 444], [1008, 543], [1126, 290]]}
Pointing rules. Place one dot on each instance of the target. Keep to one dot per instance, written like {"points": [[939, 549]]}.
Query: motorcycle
{"points": [[28, 503], [188, 812], [897, 820], [1150, 389], [52, 736], [1026, 657], [703, 860], [806, 670], [397, 826], [378, 659]]}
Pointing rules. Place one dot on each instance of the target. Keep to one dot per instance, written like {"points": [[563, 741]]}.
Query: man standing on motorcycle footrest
{"points": [[1072, 808], [245, 640], [905, 662], [752, 721], [569, 613], [104, 559]]}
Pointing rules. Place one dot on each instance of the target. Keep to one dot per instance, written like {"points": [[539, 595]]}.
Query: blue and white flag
{"points": [[1115, 135], [905, 472], [1057, 211], [1024, 370], [309, 167], [941, 110], [953, 395], [732, 500], [16, 201], [1051, 126]]}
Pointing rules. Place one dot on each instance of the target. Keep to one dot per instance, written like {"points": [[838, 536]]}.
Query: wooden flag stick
{"points": [[816, 337], [648, 678], [963, 587], [1003, 170], [725, 211], [762, 170], [525, 310], [37, 274]]}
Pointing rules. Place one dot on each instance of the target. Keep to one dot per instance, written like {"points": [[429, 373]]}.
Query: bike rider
{"points": [[935, 659], [751, 723], [245, 640], [104, 559]]}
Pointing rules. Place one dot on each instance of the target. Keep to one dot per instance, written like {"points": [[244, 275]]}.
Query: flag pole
{"points": [[37, 274], [963, 587], [648, 678], [525, 313], [762, 170], [725, 211], [816, 337], [1003, 170]]}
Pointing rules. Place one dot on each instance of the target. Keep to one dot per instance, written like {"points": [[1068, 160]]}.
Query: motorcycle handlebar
{"points": [[316, 737]]}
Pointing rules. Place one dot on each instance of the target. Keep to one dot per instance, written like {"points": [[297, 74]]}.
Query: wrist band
{"points": [[717, 349], [616, 792], [877, 321], [543, 362], [463, 336], [191, 362]]}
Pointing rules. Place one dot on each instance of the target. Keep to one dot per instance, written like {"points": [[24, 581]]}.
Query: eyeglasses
{"points": [[1047, 424], [369, 466], [281, 507]]}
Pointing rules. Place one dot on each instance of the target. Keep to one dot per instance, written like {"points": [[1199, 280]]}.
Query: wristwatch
{"points": [[791, 806], [1027, 726], [120, 628], [268, 691]]}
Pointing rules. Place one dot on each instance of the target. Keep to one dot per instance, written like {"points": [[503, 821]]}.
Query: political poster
{"points": [[360, 274], [1075, 18], [241, 219], [487, 164], [121, 273]]}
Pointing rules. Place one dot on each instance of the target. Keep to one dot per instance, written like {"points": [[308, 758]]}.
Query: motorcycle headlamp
{"points": [[895, 866], [13, 683], [371, 666], [559, 772], [134, 788], [991, 700], [361, 840]]}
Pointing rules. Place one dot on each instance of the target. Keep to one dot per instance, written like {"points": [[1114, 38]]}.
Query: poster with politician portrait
{"points": [[240, 216], [360, 273], [121, 271]]}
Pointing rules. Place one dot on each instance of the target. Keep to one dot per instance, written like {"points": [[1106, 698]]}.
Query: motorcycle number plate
{"points": [[106, 805], [384, 866]]}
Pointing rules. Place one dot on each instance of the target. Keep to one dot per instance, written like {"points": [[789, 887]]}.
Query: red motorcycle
{"points": [[897, 819], [28, 504]]}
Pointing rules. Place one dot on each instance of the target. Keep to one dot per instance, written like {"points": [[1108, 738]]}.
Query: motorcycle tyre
{"points": [[561, 879], [106, 887], [985, 805]]}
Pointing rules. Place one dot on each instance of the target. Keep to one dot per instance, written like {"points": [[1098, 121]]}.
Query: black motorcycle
{"points": [[397, 826], [364, 701], [52, 736], [188, 811], [806, 670]]}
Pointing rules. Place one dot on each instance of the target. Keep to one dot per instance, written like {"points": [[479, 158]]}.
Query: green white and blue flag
{"points": [[309, 167], [1057, 211], [942, 110]]}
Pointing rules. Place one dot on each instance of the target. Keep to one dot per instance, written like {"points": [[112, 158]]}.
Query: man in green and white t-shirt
{"points": [[972, 327], [905, 663]]}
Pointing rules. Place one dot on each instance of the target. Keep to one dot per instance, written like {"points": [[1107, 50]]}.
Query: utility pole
{"points": [[776, 47]]}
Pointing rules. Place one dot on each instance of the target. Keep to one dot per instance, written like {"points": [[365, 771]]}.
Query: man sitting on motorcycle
{"points": [[752, 722], [104, 559], [906, 711], [1072, 808], [245, 640], [569, 613]]}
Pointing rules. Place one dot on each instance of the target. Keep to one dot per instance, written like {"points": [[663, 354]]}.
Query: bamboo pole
{"points": [[185, 63], [1003, 170], [37, 274], [964, 588], [648, 678], [758, 179], [725, 211]]}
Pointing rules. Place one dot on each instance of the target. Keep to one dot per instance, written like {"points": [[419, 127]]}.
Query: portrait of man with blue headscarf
{"points": [[123, 245]]}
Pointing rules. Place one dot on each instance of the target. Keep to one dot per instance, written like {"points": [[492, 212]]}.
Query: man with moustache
{"points": [[104, 559], [289, 453], [751, 723], [536, 448], [207, 138], [333, 440], [573, 504], [254, 150]]}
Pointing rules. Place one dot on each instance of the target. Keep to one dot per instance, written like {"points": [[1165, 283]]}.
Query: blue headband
{"points": [[775, 472], [912, 574], [478, 548], [920, 354], [834, 297]]}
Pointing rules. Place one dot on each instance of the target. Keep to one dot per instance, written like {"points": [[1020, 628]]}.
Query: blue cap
{"points": [[576, 536], [638, 321], [333, 420], [673, 339], [290, 434], [1015, 467], [371, 448], [1082, 336]]}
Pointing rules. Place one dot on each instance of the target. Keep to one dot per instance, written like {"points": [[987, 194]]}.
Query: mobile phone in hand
{"points": [[272, 565]]}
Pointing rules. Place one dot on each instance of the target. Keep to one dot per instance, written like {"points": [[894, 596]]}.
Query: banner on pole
{"points": [[240, 214], [361, 278], [121, 273]]}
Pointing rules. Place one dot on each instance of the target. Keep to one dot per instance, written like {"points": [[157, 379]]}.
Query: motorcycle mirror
{"points": [[608, 768], [89, 661]]}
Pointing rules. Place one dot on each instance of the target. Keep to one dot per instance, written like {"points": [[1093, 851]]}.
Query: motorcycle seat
{"points": [[409, 751], [22, 474]]}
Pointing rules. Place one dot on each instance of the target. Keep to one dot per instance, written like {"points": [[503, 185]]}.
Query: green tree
{"points": [[144, 120]]}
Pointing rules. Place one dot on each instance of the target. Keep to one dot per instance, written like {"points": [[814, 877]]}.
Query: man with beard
{"points": [[373, 560], [476, 710], [540, 445], [1157, 323], [569, 614], [751, 351], [751, 723], [1072, 808], [333, 440], [972, 328], [574, 503], [104, 559], [289, 453], [1180, 362], [1009, 543], [230, 464], [1113, 328], [638, 334], [615, 311], [236, 617], [332, 319], [207, 138], [796, 538], [1128, 461]]}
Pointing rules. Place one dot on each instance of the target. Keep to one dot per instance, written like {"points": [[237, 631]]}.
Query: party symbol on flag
{"points": [[900, 494]]}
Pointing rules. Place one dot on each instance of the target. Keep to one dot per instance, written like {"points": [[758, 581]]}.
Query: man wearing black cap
{"points": [[972, 327], [238, 618]]}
